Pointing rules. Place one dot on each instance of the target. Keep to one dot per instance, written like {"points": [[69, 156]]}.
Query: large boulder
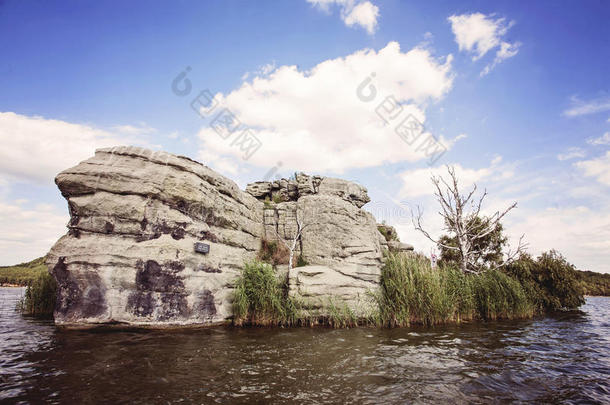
{"points": [[135, 254], [129, 254]]}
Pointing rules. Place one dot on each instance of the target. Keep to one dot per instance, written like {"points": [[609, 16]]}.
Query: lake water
{"points": [[564, 358]]}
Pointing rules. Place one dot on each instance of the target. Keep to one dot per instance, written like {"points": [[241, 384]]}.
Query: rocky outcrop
{"points": [[399, 247], [302, 185], [158, 239]]}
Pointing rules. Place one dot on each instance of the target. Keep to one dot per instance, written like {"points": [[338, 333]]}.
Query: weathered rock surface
{"points": [[129, 256], [303, 185], [136, 214], [396, 246]]}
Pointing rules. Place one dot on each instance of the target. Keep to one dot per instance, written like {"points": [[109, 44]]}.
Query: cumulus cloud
{"points": [[598, 168], [314, 120], [602, 140], [478, 34], [580, 107], [417, 182], [28, 232], [571, 153], [363, 13], [36, 149]]}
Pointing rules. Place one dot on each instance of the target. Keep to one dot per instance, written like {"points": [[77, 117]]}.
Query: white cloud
{"points": [[314, 121], [602, 140], [141, 129], [578, 232], [363, 13], [478, 34], [571, 153], [28, 233], [36, 148], [579, 107], [506, 51], [417, 182], [598, 168]]}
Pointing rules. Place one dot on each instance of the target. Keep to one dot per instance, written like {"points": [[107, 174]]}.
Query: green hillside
{"points": [[22, 274]]}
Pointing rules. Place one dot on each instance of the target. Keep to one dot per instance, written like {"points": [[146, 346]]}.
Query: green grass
{"points": [[22, 274], [261, 299], [414, 293], [39, 298]]}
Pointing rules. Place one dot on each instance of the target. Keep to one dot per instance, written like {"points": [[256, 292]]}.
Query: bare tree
{"points": [[458, 212], [301, 225]]}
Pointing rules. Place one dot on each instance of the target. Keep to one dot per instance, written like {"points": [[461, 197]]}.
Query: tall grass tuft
{"points": [[39, 298], [261, 299], [414, 292]]}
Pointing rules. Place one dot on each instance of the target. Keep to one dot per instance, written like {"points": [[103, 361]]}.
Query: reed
{"points": [[40, 296], [413, 292]]}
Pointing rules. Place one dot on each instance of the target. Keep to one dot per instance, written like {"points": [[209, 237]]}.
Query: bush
{"points": [[550, 281], [260, 298], [388, 232], [273, 252], [40, 296]]}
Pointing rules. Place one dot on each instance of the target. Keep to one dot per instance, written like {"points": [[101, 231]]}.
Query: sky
{"points": [[514, 94]]}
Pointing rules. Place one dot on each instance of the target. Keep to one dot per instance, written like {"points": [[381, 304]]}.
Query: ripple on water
{"points": [[564, 357]]}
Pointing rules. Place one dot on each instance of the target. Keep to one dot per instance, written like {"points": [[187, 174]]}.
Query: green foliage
{"points": [[388, 232], [277, 198], [39, 299], [273, 252], [489, 246], [498, 296], [23, 274], [260, 298], [267, 203], [340, 315], [550, 279], [594, 283], [413, 292], [301, 261]]}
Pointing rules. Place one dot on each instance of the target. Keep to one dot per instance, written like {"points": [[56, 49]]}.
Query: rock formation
{"points": [[136, 215]]}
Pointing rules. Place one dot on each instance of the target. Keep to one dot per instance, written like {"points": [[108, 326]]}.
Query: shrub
{"points": [[388, 232], [550, 280], [40, 296], [260, 298], [273, 252]]}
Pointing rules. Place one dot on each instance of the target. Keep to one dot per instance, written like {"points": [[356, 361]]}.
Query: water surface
{"points": [[563, 358]]}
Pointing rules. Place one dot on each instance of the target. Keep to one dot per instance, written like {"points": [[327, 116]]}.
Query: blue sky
{"points": [[533, 128]]}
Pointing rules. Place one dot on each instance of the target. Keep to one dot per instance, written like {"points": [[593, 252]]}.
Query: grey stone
{"points": [[136, 215]]}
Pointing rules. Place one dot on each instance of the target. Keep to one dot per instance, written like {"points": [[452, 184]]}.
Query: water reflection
{"points": [[566, 357]]}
